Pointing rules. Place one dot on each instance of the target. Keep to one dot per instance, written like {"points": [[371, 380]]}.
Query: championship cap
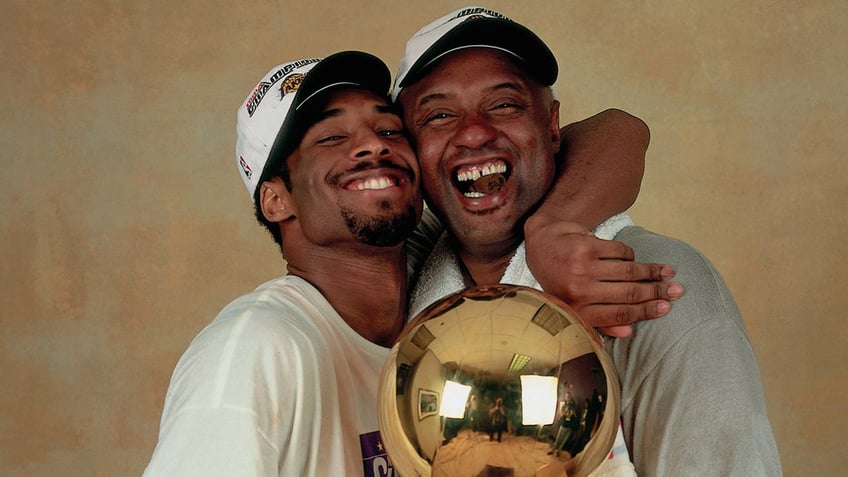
{"points": [[474, 27], [276, 114]]}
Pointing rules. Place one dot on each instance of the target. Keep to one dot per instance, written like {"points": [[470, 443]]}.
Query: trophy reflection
{"points": [[498, 381]]}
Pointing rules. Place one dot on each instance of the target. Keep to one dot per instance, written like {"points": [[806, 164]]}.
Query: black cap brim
{"points": [[500, 34]]}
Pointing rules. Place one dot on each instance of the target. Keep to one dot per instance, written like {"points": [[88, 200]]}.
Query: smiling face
{"points": [[486, 134], [354, 174]]}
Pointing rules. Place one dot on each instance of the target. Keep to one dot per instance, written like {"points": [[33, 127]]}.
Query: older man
{"points": [[475, 88]]}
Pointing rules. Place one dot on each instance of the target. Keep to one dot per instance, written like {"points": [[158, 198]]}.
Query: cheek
{"points": [[409, 155], [429, 153], [537, 159], [430, 180]]}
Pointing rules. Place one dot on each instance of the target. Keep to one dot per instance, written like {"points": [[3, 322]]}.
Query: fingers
{"points": [[612, 249], [600, 279], [615, 320], [625, 271], [622, 331], [624, 294], [636, 292]]}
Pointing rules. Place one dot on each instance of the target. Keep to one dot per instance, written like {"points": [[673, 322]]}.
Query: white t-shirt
{"points": [[277, 384]]}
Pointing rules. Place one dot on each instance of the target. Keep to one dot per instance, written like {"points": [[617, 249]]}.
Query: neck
{"points": [[365, 285], [486, 264]]}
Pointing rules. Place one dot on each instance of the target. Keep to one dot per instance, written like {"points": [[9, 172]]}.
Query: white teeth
{"points": [[374, 184], [474, 195]]}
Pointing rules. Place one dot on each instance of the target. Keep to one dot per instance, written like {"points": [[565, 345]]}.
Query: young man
{"points": [[476, 96], [283, 381]]}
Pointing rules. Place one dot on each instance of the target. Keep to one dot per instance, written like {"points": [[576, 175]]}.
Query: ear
{"points": [[276, 201], [554, 125]]}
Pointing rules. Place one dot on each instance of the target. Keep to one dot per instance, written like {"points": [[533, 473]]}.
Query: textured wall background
{"points": [[125, 227]]}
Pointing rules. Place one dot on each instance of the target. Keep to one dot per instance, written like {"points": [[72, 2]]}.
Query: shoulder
{"points": [[652, 246], [704, 289], [256, 334], [677, 373], [243, 382], [249, 354], [705, 322], [705, 295], [276, 309]]}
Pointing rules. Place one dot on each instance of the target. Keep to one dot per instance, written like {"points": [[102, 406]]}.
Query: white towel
{"points": [[441, 275], [612, 226]]}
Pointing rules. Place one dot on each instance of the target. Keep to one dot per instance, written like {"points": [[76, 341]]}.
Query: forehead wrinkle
{"points": [[508, 85]]}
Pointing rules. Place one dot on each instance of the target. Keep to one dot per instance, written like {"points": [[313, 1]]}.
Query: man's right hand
{"points": [[598, 278]]}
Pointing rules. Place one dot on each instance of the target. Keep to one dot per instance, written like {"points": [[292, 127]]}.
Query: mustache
{"points": [[485, 150], [379, 164], [370, 165]]}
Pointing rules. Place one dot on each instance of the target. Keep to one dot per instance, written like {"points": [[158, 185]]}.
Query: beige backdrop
{"points": [[125, 227]]}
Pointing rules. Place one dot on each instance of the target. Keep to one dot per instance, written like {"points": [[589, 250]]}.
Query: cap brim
{"points": [[345, 69], [496, 33]]}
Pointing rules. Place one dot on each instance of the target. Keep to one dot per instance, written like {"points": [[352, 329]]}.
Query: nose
{"points": [[369, 144], [474, 132]]}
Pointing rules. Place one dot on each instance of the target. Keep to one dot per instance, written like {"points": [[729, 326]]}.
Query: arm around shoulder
{"points": [[602, 161]]}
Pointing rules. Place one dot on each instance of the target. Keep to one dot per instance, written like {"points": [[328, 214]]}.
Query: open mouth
{"points": [[481, 180]]}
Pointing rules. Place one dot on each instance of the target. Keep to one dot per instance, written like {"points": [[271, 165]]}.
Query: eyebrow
{"points": [[326, 114], [388, 109], [336, 112]]}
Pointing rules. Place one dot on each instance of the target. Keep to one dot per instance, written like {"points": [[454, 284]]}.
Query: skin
{"points": [[605, 163], [477, 107], [601, 163], [354, 200]]}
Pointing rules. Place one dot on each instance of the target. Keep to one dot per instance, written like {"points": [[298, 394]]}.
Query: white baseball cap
{"points": [[474, 27], [275, 115]]}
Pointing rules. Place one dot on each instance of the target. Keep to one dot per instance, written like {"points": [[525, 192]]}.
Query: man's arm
{"points": [[601, 163], [601, 166]]}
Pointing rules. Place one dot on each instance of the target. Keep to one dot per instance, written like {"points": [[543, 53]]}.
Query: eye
{"points": [[329, 139], [391, 133], [437, 117], [391, 127], [507, 106]]}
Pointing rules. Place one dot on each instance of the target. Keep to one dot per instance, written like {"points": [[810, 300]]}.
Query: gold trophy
{"points": [[498, 381]]}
